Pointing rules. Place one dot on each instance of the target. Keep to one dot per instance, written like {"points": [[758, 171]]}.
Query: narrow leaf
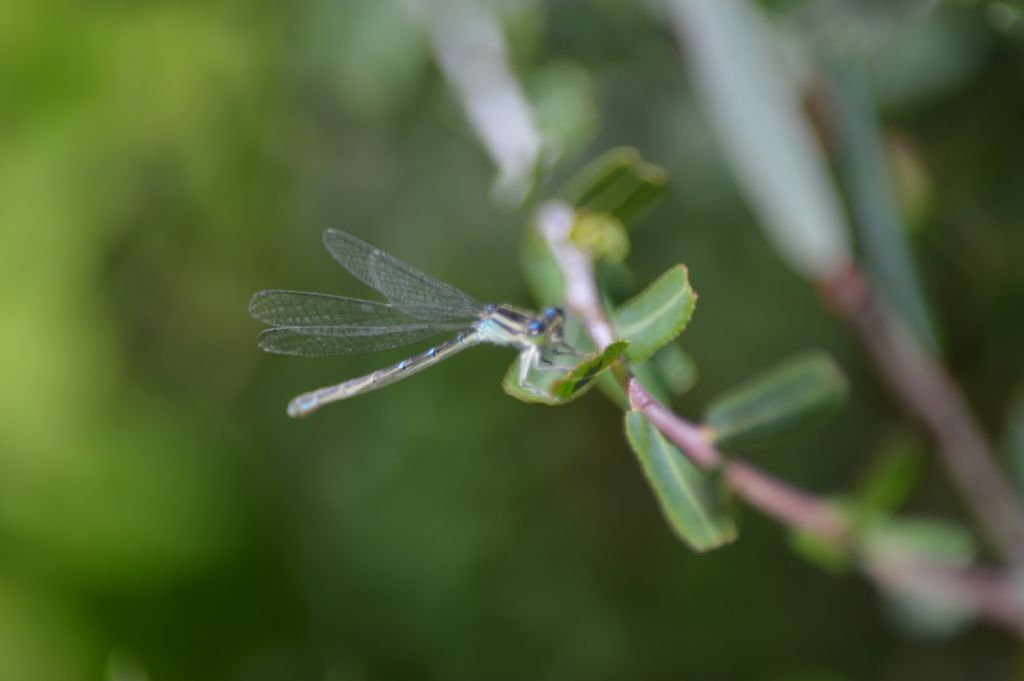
{"points": [[873, 203], [753, 102], [656, 315], [619, 183], [1014, 439], [777, 403], [891, 478], [693, 501]]}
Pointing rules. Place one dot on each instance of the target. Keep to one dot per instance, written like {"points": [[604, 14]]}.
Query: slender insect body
{"points": [[315, 324]]}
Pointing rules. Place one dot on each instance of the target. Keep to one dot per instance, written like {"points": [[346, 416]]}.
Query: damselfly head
{"points": [[547, 326]]}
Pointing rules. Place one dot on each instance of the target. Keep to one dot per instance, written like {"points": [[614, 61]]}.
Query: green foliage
{"points": [[827, 555], [618, 183], [891, 479], [872, 195], [564, 384], [676, 368], [897, 547], [163, 518], [654, 317], [1014, 439], [694, 501], [777, 403], [563, 99]]}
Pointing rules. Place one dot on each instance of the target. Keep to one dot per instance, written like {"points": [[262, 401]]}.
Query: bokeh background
{"points": [[161, 517]]}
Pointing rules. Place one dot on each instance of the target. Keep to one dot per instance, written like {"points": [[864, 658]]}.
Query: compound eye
{"points": [[534, 327], [551, 312]]}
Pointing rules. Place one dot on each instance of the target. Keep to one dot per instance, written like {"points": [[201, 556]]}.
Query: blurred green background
{"points": [[161, 517]]}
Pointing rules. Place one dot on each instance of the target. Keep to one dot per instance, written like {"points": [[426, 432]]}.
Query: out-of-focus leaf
{"points": [[602, 235], [778, 402], [675, 368], [924, 57], [618, 183], [753, 102], [892, 478], [1014, 439], [694, 501], [828, 555], [563, 99], [876, 216], [560, 385], [912, 181], [540, 270], [656, 315], [381, 51], [40, 636], [896, 548]]}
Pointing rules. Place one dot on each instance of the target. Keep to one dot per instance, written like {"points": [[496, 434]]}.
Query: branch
{"points": [[992, 595], [931, 395]]}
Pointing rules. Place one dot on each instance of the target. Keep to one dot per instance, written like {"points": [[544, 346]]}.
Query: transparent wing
{"points": [[325, 341], [408, 289], [302, 308]]}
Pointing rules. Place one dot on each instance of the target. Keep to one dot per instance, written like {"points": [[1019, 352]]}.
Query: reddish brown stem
{"points": [[989, 594], [931, 395]]}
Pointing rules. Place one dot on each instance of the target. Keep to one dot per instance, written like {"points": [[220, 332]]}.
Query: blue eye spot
{"points": [[534, 327], [550, 312]]}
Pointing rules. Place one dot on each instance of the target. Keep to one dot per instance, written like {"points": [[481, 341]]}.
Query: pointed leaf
{"points": [[656, 315], [777, 403], [584, 374], [891, 478], [693, 501], [1014, 439]]}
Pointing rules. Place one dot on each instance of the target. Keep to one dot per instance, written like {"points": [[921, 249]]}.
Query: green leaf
{"points": [[1014, 439], [583, 375], [891, 478], [656, 315], [560, 385], [562, 93], [694, 502], [881, 232], [835, 557], [777, 403], [619, 183], [540, 270], [676, 368]]}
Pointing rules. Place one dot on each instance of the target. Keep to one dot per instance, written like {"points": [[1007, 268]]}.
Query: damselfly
{"points": [[318, 325]]}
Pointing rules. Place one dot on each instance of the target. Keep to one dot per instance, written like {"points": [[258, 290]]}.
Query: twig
{"points": [[992, 595], [775, 498], [929, 393]]}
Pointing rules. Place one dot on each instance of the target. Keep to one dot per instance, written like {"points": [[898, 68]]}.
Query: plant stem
{"points": [[932, 396], [989, 594]]}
